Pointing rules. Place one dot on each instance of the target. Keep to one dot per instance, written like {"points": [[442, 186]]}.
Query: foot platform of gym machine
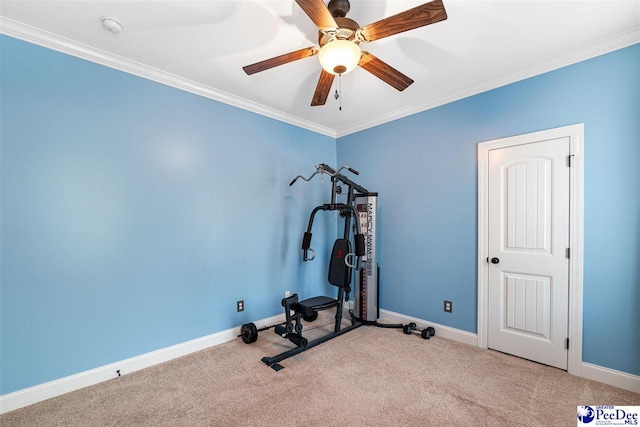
{"points": [[274, 362]]}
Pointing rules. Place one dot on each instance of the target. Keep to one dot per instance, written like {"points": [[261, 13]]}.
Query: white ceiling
{"points": [[201, 46]]}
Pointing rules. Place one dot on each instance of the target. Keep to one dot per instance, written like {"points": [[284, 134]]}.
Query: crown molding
{"points": [[602, 47], [58, 43], [61, 44]]}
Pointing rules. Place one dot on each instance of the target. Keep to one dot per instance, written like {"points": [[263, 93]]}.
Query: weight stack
{"points": [[366, 296]]}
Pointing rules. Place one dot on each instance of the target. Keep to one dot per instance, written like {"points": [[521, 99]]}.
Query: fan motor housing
{"points": [[346, 31]]}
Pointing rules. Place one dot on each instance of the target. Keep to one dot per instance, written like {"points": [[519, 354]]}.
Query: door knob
{"points": [[495, 260]]}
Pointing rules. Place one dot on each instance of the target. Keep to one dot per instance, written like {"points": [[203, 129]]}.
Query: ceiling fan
{"points": [[340, 37]]}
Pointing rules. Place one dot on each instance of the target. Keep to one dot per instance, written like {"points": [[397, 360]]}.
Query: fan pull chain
{"points": [[339, 91]]}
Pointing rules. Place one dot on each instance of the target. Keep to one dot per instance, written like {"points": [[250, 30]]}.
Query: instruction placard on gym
{"points": [[595, 415]]}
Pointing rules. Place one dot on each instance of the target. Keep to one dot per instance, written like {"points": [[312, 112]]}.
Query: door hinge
{"points": [[570, 159], [567, 342], [569, 253]]}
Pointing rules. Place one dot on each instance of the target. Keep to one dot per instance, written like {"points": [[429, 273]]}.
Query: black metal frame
{"points": [[347, 210], [273, 362]]}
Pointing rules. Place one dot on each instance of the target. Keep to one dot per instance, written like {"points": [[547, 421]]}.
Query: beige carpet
{"points": [[367, 377]]}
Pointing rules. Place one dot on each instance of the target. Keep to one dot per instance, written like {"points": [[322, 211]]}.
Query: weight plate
{"points": [[244, 333], [249, 333], [425, 334], [407, 329], [432, 331]]}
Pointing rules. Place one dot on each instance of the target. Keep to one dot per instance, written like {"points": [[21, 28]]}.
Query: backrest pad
{"points": [[339, 272]]}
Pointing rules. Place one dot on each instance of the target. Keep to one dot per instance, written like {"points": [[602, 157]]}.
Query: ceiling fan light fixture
{"points": [[339, 56]]}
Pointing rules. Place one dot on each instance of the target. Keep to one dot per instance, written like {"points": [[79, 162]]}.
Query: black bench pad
{"points": [[318, 303]]}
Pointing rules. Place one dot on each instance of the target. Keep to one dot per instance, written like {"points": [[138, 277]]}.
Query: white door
{"points": [[528, 239]]}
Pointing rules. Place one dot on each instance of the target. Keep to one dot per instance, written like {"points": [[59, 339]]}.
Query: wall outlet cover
{"points": [[448, 306]]}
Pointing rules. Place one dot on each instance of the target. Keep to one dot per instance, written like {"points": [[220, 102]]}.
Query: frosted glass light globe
{"points": [[339, 56]]}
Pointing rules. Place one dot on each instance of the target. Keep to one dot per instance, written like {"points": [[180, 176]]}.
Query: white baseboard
{"points": [[592, 372], [611, 376], [31, 395], [441, 330]]}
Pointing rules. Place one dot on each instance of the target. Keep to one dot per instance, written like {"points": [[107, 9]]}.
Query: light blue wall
{"points": [[134, 215], [425, 169]]}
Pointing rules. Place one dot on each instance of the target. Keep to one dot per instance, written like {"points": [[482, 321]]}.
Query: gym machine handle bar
{"points": [[354, 260], [322, 168], [306, 256]]}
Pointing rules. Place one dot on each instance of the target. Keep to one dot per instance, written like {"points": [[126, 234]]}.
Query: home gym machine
{"points": [[358, 213]]}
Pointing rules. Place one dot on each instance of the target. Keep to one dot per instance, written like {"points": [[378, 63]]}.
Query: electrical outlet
{"points": [[240, 305], [287, 294], [448, 306]]}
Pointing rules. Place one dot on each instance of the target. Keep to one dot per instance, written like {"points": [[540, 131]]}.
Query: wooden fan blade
{"points": [[384, 71], [419, 16], [319, 14], [280, 60], [323, 89]]}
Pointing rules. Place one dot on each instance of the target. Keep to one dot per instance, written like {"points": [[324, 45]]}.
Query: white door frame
{"points": [[576, 231]]}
